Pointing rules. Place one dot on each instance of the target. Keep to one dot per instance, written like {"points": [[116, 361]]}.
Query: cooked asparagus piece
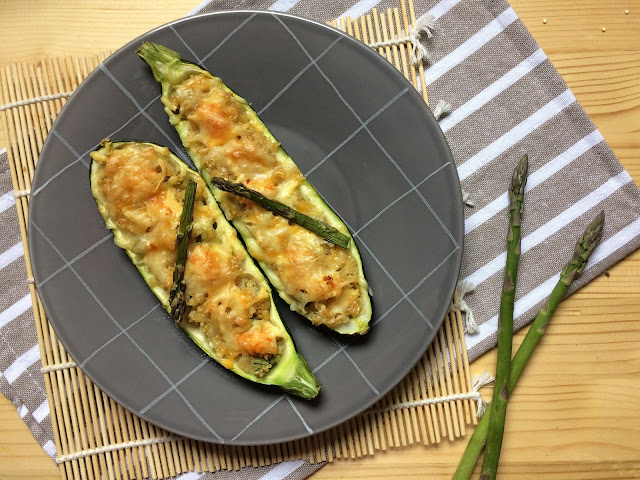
{"points": [[583, 250], [498, 405], [176, 295], [327, 232]]}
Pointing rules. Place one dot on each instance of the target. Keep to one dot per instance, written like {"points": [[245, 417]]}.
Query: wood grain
{"points": [[574, 413], [21, 457]]}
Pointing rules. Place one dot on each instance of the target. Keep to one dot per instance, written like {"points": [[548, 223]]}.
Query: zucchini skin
{"points": [[170, 70], [291, 371]]}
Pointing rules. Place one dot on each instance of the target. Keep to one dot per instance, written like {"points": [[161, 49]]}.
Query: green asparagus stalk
{"points": [[177, 300], [498, 405], [325, 231], [583, 250], [584, 247]]}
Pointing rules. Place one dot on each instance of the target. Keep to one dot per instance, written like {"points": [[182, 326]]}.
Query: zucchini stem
{"points": [[177, 300], [159, 58], [329, 233]]}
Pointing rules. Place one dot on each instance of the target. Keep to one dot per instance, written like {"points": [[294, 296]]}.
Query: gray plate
{"points": [[367, 142]]}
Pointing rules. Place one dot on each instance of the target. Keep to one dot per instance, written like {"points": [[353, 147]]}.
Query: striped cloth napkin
{"points": [[506, 99]]}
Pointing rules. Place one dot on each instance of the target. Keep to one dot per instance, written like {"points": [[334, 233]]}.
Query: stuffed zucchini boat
{"points": [[226, 139], [229, 312]]}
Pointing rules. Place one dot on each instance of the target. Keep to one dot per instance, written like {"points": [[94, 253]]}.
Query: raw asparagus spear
{"points": [[583, 250], [327, 232], [584, 247], [176, 295], [505, 323]]}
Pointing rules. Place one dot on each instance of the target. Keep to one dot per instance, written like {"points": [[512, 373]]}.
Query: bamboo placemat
{"points": [[94, 436]]}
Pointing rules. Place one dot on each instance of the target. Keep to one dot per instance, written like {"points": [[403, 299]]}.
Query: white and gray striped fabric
{"points": [[507, 99]]}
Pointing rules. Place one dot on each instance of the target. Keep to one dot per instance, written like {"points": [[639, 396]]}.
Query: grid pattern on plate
{"points": [[228, 459], [488, 20], [359, 234]]}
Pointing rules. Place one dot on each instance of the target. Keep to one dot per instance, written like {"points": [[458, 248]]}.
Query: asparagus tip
{"points": [[598, 223], [518, 181], [520, 172], [585, 246], [591, 238], [594, 230]]}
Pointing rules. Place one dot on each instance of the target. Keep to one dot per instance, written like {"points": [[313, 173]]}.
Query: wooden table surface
{"points": [[576, 411]]}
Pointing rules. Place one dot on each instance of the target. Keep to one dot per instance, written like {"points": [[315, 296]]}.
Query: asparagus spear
{"points": [[176, 295], [325, 231], [505, 323], [584, 247]]}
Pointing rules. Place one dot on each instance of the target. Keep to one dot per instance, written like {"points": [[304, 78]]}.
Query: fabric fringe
{"points": [[424, 24], [482, 380], [466, 199], [463, 288], [441, 109]]}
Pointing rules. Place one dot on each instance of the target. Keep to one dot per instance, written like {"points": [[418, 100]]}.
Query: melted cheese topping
{"points": [[321, 278], [142, 194]]}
